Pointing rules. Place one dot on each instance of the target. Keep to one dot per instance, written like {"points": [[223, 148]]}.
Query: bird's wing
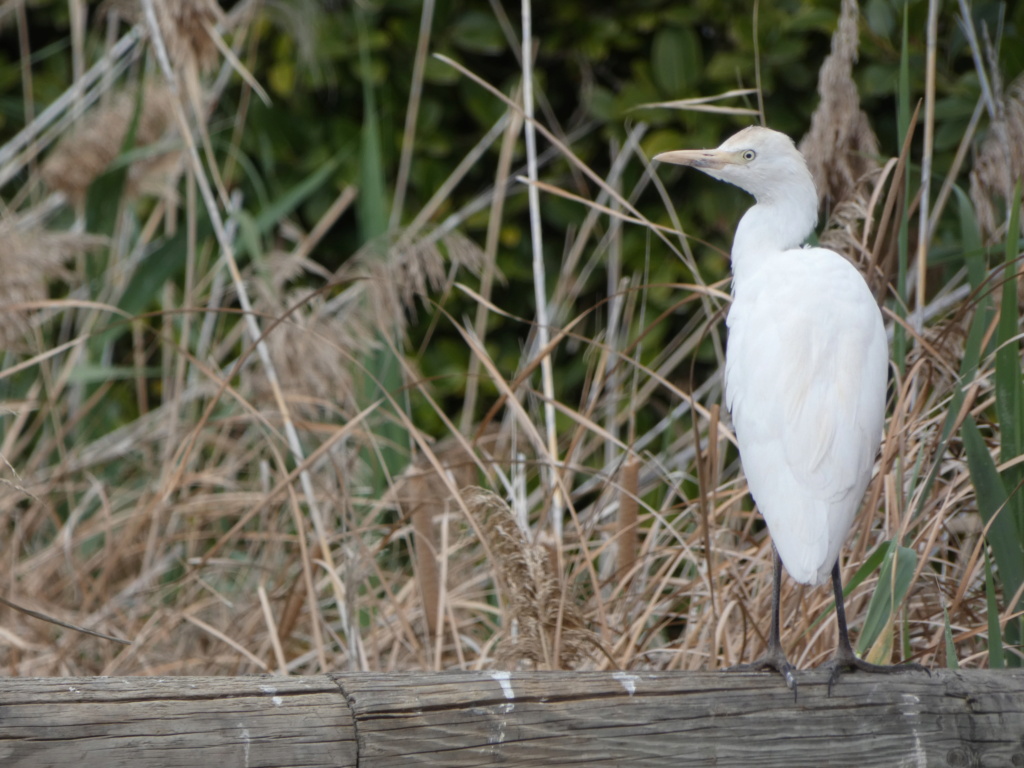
{"points": [[805, 383]]}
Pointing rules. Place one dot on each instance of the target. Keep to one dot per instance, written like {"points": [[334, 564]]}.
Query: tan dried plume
{"points": [[543, 615], [390, 283], [29, 260], [841, 148], [183, 25], [999, 164], [87, 150], [314, 348]]}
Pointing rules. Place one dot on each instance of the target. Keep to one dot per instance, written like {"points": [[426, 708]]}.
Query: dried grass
{"points": [[187, 529], [319, 339], [30, 259]]}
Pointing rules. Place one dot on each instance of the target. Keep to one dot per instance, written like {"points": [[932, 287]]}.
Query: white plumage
{"points": [[806, 368], [806, 357], [805, 382]]}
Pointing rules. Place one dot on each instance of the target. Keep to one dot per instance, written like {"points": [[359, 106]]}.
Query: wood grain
{"points": [[186, 722], [953, 718]]}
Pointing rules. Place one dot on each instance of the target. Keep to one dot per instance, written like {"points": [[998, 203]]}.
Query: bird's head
{"points": [[759, 160]]}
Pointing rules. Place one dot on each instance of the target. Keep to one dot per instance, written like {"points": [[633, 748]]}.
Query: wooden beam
{"points": [[953, 718]]}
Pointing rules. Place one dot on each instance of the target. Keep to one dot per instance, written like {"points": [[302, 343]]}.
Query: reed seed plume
{"points": [[999, 164], [840, 147], [314, 347], [391, 281], [183, 25], [87, 151], [29, 260], [543, 617]]}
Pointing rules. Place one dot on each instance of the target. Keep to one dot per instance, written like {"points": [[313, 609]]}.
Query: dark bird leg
{"points": [[774, 657], [845, 658]]}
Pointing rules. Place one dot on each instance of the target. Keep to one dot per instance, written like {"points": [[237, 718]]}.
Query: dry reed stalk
{"points": [[422, 495], [627, 535], [426, 552]]}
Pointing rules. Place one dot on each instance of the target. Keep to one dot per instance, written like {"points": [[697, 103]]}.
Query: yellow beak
{"points": [[711, 159]]}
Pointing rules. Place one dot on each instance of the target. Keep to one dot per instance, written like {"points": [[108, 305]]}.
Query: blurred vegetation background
{"points": [[278, 489]]}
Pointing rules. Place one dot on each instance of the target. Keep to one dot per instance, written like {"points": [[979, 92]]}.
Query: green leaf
{"points": [[675, 60], [478, 32], [977, 273], [106, 193], [894, 579], [92, 374], [381, 370], [284, 204], [880, 17], [372, 205], [995, 635], [970, 239], [249, 241], [992, 498], [951, 661], [873, 561], [1009, 387]]}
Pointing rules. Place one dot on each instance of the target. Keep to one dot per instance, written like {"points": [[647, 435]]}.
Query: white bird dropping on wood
{"points": [[805, 372]]}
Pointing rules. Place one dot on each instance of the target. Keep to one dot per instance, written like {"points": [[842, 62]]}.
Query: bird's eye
{"points": [[749, 154]]}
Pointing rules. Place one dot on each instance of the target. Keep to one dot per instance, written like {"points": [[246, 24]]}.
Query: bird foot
{"points": [[846, 660], [774, 660]]}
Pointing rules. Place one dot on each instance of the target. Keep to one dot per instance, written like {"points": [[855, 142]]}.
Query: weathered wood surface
{"points": [[174, 722], [965, 718]]}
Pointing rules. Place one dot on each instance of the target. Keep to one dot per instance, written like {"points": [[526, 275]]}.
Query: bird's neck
{"points": [[774, 225]]}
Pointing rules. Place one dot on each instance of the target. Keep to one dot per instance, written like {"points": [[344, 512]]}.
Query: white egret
{"points": [[805, 373]]}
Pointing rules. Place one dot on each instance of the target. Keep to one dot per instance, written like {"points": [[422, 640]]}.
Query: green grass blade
{"points": [[995, 635], [895, 576], [970, 239], [372, 206], [869, 566], [992, 497], [951, 660], [1009, 390], [281, 207], [383, 370], [1008, 383]]}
